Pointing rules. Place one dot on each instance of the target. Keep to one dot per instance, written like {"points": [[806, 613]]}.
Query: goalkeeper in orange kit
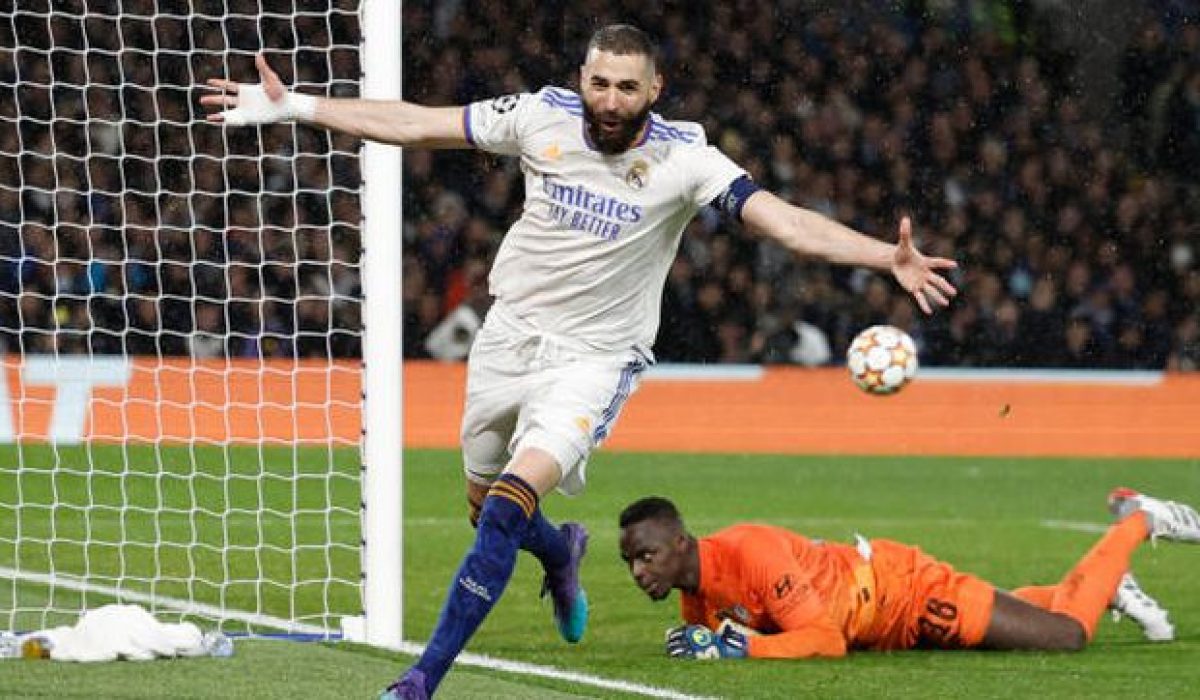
{"points": [[763, 591]]}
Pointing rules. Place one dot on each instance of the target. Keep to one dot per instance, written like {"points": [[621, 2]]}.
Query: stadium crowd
{"points": [[1077, 240], [127, 225], [1077, 235]]}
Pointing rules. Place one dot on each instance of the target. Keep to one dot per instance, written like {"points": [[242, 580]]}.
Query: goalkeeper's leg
{"points": [[1075, 604]]}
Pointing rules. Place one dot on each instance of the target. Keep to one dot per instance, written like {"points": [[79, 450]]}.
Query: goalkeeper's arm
{"points": [[733, 641], [387, 121]]}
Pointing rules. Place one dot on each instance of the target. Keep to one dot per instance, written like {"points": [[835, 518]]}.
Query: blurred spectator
{"points": [[1185, 356], [1180, 147], [452, 338]]}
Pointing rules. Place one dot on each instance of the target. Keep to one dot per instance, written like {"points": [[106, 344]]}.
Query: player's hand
{"points": [[919, 274], [265, 102], [699, 642]]}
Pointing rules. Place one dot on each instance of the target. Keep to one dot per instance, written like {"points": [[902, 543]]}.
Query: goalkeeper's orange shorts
{"points": [[923, 603]]}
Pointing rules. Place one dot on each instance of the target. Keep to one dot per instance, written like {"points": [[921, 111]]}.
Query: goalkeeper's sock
{"points": [[482, 576], [1041, 596], [1087, 589]]}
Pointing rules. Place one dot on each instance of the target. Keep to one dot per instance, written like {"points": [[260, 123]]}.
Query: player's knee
{"points": [[1078, 638], [475, 495], [1071, 637]]}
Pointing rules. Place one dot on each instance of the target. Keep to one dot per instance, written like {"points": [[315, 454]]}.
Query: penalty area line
{"points": [[527, 669], [80, 585]]}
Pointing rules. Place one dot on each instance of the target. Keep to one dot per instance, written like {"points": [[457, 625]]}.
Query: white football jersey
{"points": [[589, 256]]}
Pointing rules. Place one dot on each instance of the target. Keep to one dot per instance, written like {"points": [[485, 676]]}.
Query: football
{"points": [[882, 359]]}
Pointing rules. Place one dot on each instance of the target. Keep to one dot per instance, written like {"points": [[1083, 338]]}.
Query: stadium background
{"points": [[1076, 228], [1070, 201]]}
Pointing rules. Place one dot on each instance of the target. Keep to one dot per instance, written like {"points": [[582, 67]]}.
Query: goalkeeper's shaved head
{"points": [[651, 508], [659, 552]]}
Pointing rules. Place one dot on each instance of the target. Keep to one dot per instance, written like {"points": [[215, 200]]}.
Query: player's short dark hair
{"points": [[624, 40], [650, 508]]}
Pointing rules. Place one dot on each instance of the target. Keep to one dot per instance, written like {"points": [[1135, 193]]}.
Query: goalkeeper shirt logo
{"points": [[783, 586], [580, 209]]}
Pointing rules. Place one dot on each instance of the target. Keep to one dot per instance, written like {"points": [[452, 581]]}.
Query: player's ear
{"points": [[656, 86]]}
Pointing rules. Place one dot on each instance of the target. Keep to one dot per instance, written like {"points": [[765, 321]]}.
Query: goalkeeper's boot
{"points": [[410, 686], [569, 598], [1132, 602], [1169, 520]]}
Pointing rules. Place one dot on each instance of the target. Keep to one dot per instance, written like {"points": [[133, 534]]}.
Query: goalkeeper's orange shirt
{"points": [[813, 598]]}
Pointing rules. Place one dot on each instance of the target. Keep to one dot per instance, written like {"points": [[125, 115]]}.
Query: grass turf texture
{"points": [[987, 516]]}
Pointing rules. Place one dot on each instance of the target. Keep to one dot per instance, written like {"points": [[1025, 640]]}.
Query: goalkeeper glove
{"points": [[699, 642]]}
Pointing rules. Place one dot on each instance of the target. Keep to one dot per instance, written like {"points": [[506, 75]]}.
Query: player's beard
{"points": [[620, 140]]}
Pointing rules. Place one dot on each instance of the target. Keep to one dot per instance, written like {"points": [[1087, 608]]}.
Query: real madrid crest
{"points": [[638, 174]]}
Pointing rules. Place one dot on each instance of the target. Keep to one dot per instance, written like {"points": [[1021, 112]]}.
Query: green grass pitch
{"points": [[1013, 521]]}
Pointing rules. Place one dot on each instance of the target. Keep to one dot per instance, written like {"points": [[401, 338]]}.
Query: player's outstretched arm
{"points": [[387, 121], [808, 233]]}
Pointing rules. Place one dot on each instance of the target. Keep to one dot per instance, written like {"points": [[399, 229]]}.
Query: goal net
{"points": [[180, 315]]}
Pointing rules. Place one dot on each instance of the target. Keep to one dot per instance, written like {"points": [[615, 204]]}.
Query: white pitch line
{"points": [[1077, 526], [466, 658], [520, 667]]}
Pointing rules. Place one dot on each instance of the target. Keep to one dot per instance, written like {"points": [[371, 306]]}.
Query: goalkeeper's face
{"points": [[618, 92], [657, 555]]}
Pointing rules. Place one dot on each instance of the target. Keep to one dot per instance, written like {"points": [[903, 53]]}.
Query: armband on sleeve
{"points": [[734, 197]]}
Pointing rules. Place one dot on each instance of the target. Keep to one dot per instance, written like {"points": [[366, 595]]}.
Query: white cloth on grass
{"points": [[125, 632]]}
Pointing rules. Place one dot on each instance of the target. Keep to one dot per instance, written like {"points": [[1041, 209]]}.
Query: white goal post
{"points": [[200, 352], [383, 352]]}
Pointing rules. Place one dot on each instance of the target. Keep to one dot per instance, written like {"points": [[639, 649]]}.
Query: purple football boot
{"points": [[410, 686], [569, 598]]}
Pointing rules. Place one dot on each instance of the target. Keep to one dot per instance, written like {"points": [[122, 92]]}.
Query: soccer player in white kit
{"points": [[609, 189]]}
